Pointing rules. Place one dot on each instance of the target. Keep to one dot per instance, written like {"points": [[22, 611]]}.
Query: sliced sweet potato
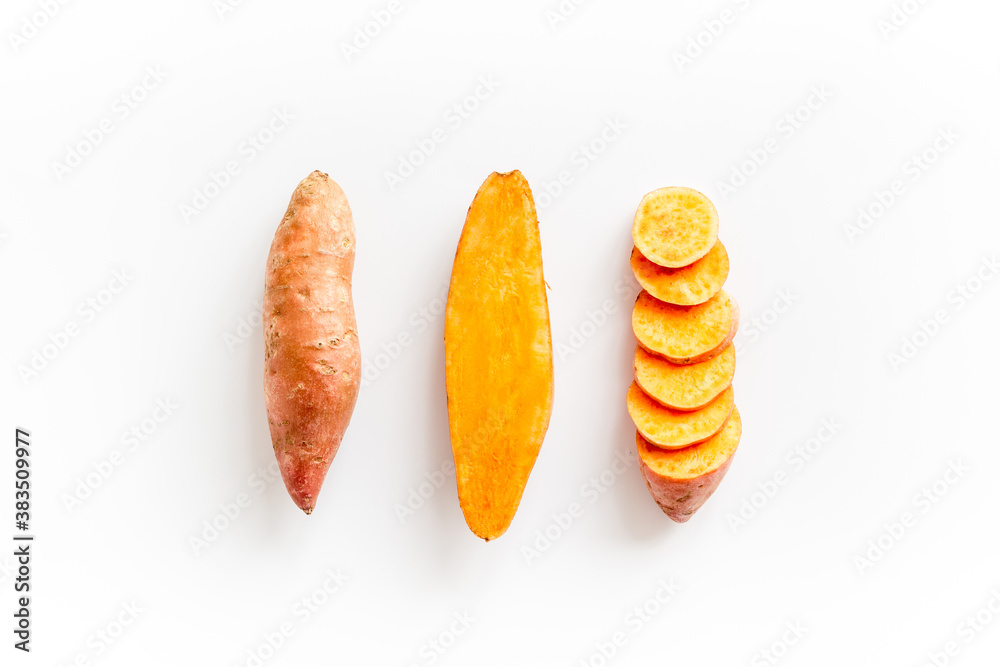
{"points": [[687, 286], [675, 226], [684, 386], [498, 353], [681, 480], [673, 429], [685, 334]]}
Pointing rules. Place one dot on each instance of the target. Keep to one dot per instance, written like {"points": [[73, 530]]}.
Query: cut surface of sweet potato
{"points": [[684, 386], [687, 286], [681, 480], [498, 353], [685, 334], [675, 226], [673, 429]]}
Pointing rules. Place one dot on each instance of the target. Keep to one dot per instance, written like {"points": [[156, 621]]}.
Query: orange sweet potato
{"points": [[312, 357], [681, 480], [498, 353], [672, 429], [685, 334], [684, 386], [687, 286], [675, 226]]}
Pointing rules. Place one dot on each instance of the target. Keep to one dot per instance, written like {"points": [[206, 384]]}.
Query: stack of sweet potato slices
{"points": [[687, 426]]}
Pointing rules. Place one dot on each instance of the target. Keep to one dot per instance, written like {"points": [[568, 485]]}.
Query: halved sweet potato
{"points": [[498, 353], [687, 286], [684, 386], [675, 226], [673, 429], [681, 480], [685, 334]]}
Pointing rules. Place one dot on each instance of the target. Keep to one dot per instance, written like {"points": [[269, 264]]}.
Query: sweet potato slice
{"points": [[681, 480], [498, 353], [673, 429], [687, 286], [685, 334], [687, 386], [675, 226]]}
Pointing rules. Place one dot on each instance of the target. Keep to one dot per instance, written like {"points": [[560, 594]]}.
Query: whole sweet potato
{"points": [[312, 357]]}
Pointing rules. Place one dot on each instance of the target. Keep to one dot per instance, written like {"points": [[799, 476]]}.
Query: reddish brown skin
{"points": [[312, 357], [666, 492]]}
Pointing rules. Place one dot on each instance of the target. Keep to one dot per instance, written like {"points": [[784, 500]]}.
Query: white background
{"points": [[178, 330]]}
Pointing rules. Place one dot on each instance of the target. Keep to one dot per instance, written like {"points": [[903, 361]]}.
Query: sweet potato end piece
{"points": [[498, 353], [680, 481]]}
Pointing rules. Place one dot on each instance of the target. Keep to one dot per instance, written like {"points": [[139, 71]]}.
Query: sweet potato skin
{"points": [[680, 497], [498, 353], [312, 356]]}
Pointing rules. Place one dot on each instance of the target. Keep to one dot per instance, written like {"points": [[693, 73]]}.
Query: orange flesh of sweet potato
{"points": [[673, 429], [687, 286], [498, 353], [675, 226], [684, 387], [685, 334], [681, 480], [312, 357]]}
